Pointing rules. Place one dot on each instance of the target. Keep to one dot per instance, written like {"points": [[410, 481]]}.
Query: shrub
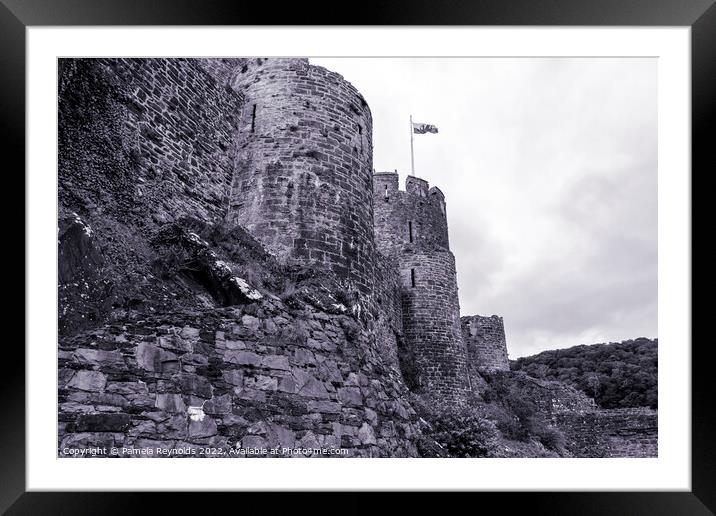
{"points": [[169, 261], [516, 415], [465, 434], [550, 437], [458, 431]]}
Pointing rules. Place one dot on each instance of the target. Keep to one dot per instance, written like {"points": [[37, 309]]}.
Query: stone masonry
{"points": [[411, 227], [254, 378], [302, 173], [292, 327], [154, 136], [486, 343]]}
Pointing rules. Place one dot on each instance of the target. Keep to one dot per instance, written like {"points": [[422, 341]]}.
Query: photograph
{"points": [[357, 257]]}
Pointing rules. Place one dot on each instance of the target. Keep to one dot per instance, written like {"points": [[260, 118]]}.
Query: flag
{"points": [[424, 128]]}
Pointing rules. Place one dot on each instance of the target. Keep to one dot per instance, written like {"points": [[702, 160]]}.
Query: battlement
{"points": [[415, 217], [416, 186], [385, 183], [411, 228], [436, 193]]}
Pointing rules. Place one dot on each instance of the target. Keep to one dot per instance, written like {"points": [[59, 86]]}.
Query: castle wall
{"points": [[628, 432], [388, 291], [486, 344], [411, 228], [256, 377], [303, 168], [145, 136]]}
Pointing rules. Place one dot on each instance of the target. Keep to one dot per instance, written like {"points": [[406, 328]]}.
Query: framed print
{"points": [[410, 257]]}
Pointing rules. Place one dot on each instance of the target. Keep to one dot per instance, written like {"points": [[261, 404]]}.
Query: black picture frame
{"points": [[16, 15]]}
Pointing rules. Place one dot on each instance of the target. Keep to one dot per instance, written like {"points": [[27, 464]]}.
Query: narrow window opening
{"points": [[253, 119], [412, 278], [410, 231], [386, 193]]}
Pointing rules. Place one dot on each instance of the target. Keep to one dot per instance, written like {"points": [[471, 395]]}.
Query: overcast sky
{"points": [[549, 172]]}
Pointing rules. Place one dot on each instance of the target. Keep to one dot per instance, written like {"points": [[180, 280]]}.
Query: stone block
{"points": [[261, 382], [350, 396], [250, 322], [276, 362], [92, 381], [103, 423], [324, 407], [243, 358], [98, 357], [204, 427], [218, 404], [190, 383], [156, 359], [309, 385], [233, 377], [172, 403]]}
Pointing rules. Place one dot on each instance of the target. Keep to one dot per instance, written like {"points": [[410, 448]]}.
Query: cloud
{"points": [[549, 171]]}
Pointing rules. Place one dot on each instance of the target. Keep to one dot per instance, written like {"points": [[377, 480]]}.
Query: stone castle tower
{"points": [[303, 184], [411, 226], [486, 345], [303, 165]]}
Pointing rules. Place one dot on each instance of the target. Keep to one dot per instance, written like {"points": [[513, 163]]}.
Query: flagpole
{"points": [[412, 157]]}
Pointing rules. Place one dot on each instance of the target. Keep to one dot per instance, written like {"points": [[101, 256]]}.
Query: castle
{"points": [[234, 274], [304, 185]]}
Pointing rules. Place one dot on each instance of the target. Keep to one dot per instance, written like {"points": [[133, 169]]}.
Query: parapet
{"points": [[438, 197], [385, 183], [436, 193], [413, 217]]}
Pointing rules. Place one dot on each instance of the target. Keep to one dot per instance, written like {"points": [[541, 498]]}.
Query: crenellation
{"points": [[385, 184], [416, 186]]}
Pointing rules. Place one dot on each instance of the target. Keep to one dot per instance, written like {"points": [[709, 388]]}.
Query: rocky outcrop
{"points": [[84, 292]]}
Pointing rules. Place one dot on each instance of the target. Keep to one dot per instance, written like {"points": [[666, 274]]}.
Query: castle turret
{"points": [[303, 168], [411, 226], [486, 344]]}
